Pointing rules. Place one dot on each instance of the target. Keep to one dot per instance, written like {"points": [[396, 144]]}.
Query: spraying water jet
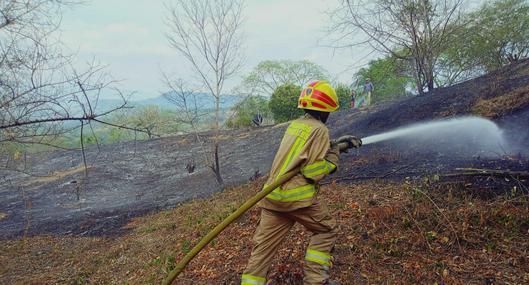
{"points": [[473, 131], [486, 131]]}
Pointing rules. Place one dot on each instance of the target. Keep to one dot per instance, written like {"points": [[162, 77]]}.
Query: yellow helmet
{"points": [[318, 96]]}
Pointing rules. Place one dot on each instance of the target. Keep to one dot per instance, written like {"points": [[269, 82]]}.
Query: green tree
{"points": [[344, 95], [118, 135], [420, 28], [268, 75], [284, 102], [151, 120], [244, 111], [494, 35], [154, 121], [497, 34], [454, 64], [13, 152], [389, 76]]}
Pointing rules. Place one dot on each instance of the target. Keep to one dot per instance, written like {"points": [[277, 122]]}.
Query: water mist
{"points": [[471, 132]]}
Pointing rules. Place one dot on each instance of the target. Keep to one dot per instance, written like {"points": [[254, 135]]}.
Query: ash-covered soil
{"points": [[130, 179], [124, 180]]}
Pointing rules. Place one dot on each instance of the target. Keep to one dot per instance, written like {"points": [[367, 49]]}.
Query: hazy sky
{"points": [[129, 37]]}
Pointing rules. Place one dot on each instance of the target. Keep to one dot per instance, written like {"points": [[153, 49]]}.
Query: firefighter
{"points": [[306, 144], [368, 89]]}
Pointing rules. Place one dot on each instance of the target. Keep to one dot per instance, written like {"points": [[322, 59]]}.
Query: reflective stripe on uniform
{"points": [[319, 257], [248, 279], [294, 194], [318, 168], [301, 132], [296, 148]]}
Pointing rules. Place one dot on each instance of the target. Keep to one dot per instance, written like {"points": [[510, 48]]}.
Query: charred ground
{"points": [[131, 179], [406, 214]]}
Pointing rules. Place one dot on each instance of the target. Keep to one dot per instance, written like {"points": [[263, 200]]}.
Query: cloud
{"points": [[129, 37], [118, 38]]}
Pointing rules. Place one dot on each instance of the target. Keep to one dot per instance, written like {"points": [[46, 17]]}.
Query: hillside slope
{"points": [[403, 217], [389, 233], [129, 179]]}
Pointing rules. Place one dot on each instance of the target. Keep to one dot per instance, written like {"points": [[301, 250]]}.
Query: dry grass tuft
{"points": [[144, 256], [501, 105], [57, 175], [390, 233]]}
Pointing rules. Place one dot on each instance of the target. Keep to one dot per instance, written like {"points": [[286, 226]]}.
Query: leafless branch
{"points": [[208, 35], [184, 98], [42, 97], [413, 30]]}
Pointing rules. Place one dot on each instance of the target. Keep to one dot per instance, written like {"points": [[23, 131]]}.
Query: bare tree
{"points": [[184, 98], [39, 88], [414, 30], [208, 35], [188, 112]]}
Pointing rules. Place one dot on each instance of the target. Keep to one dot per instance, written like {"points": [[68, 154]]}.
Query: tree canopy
{"points": [[389, 76], [344, 95], [414, 30], [268, 75], [284, 102], [244, 111], [435, 42], [497, 34]]}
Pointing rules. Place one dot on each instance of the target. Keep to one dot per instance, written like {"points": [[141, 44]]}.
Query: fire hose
{"points": [[227, 221]]}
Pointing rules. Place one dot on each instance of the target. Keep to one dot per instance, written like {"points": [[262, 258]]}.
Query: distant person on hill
{"points": [[353, 95], [368, 89], [305, 145]]}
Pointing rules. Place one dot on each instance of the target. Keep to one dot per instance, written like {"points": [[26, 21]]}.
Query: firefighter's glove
{"points": [[351, 141]]}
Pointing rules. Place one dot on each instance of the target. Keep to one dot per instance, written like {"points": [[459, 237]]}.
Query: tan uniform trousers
{"points": [[273, 228]]}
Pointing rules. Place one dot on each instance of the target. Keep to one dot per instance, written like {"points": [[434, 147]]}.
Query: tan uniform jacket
{"points": [[305, 144]]}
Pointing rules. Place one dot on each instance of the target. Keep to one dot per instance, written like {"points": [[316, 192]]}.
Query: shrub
{"points": [[284, 102]]}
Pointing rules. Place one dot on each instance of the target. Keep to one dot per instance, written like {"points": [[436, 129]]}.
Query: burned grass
{"points": [[131, 178], [410, 232]]}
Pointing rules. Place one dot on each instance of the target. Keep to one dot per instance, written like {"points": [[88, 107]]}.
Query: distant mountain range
{"points": [[204, 102]]}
